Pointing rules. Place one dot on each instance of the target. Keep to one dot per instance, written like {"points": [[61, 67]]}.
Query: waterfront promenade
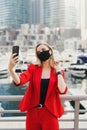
{"points": [[70, 121]]}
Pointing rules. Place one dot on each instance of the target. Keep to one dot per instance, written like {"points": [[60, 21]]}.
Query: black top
{"points": [[43, 90]]}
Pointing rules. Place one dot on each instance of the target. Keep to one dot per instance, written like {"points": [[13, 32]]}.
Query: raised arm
{"points": [[11, 66], [61, 82]]}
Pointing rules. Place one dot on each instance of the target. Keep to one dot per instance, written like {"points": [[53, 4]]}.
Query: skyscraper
{"points": [[51, 12], [62, 13], [35, 11], [85, 14], [13, 13], [73, 13]]}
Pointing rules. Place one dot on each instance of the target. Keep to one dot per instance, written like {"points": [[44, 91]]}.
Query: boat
{"points": [[79, 91], [1, 109], [21, 66], [4, 73], [4, 69], [79, 69]]}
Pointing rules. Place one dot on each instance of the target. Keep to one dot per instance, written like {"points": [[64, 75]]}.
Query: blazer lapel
{"points": [[38, 79], [50, 83]]}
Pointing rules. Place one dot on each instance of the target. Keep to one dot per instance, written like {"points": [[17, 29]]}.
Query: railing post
{"points": [[76, 115]]}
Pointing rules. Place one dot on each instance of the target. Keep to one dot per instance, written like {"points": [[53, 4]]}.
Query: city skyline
{"points": [[62, 13], [13, 13], [58, 13]]}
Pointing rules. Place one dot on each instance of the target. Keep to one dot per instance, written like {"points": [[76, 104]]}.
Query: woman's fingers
{"points": [[57, 66], [13, 60], [57, 62], [14, 55]]}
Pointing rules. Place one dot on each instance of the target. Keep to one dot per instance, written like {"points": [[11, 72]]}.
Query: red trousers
{"points": [[41, 119]]}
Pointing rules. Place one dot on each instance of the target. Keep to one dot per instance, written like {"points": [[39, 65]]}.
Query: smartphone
{"points": [[15, 49]]}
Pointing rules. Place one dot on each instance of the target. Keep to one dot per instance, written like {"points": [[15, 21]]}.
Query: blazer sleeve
{"points": [[25, 76], [66, 89]]}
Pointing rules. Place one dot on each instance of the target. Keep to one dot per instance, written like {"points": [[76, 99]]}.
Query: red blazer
{"points": [[32, 95]]}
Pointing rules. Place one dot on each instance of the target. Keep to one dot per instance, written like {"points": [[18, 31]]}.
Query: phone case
{"points": [[15, 49]]}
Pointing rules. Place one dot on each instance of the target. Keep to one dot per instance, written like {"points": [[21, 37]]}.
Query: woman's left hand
{"points": [[57, 66]]}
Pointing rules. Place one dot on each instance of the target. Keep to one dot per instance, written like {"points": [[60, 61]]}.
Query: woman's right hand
{"points": [[13, 61]]}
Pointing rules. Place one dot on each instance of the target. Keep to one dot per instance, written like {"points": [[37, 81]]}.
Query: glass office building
{"points": [[35, 11], [51, 12], [13, 13], [62, 13]]}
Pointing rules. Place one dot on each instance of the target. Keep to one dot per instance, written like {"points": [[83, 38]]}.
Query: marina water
{"points": [[10, 89]]}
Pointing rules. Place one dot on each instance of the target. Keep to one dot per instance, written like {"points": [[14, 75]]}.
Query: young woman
{"points": [[41, 100]]}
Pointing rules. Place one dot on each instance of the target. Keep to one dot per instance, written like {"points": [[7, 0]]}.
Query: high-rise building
{"points": [[85, 14], [13, 13], [73, 13], [51, 12], [35, 11], [84, 21], [62, 13]]}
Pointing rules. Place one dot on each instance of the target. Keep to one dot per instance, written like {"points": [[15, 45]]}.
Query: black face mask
{"points": [[44, 55]]}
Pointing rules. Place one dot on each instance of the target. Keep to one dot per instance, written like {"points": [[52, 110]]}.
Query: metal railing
{"points": [[76, 111]]}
